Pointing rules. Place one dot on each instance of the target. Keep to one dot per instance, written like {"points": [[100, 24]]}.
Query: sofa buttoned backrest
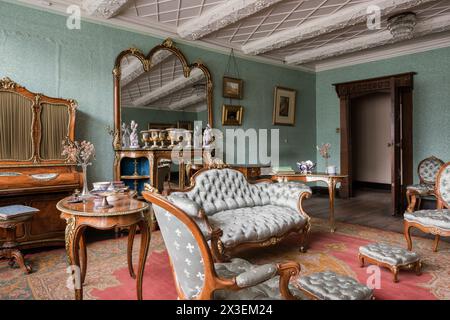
{"points": [[225, 189]]}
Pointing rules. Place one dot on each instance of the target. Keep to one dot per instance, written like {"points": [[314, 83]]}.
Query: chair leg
{"points": [[361, 260], [436, 243], [411, 198], [407, 233], [418, 268], [304, 238], [419, 202], [395, 272]]}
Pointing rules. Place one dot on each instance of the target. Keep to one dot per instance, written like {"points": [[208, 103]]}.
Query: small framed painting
{"points": [[232, 88], [284, 106], [231, 115]]}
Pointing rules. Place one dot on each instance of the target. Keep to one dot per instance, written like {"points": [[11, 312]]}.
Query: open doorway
{"points": [[376, 135], [371, 132], [371, 127]]}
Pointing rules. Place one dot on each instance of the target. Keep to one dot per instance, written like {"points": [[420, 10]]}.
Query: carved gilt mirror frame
{"points": [[167, 44], [37, 103]]}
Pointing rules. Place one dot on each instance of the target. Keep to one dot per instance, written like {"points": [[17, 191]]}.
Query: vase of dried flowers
{"points": [[82, 153], [324, 151]]}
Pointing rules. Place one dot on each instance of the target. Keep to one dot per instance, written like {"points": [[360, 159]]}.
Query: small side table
{"points": [[124, 213], [9, 249]]}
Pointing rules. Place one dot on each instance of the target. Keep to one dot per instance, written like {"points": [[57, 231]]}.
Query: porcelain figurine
{"points": [[208, 137], [134, 137], [125, 136], [197, 136]]}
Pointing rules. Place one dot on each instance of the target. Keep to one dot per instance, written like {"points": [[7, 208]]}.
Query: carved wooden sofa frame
{"points": [[222, 252]]}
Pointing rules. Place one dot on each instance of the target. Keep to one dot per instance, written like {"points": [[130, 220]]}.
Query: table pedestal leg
{"points": [[144, 227]]}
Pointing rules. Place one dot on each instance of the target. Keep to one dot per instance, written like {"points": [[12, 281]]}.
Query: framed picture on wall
{"points": [[232, 115], [284, 106], [233, 88]]}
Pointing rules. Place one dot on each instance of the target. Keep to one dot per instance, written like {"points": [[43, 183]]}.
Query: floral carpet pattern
{"points": [[107, 274]]}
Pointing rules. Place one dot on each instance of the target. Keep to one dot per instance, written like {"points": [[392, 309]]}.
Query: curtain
{"points": [[55, 127], [16, 117]]}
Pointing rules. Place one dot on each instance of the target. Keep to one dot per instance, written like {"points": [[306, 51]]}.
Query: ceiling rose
{"points": [[402, 25]]}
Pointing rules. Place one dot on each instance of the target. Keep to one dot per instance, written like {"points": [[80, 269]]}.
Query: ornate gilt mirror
{"points": [[160, 90]]}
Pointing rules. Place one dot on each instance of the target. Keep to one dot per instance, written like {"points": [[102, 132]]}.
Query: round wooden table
{"points": [[124, 213]]}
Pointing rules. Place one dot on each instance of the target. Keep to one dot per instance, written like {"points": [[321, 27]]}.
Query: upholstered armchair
{"points": [[237, 214], [198, 277], [436, 222], [427, 171]]}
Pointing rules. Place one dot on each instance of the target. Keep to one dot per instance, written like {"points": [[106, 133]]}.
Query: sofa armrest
{"points": [[189, 206], [289, 194], [257, 275]]}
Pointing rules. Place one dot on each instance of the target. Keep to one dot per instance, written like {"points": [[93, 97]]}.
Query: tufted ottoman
{"points": [[331, 286], [391, 257]]}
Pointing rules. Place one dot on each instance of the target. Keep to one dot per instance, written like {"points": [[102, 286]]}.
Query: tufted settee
{"points": [[234, 214]]}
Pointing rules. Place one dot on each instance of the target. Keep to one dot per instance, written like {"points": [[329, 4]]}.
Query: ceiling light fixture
{"points": [[402, 25]]}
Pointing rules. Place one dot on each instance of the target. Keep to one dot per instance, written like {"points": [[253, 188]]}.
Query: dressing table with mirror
{"points": [[32, 170], [164, 94]]}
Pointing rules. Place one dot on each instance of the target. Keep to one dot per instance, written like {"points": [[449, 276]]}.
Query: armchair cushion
{"points": [[256, 275], [421, 189], [266, 290], [256, 223], [439, 218]]}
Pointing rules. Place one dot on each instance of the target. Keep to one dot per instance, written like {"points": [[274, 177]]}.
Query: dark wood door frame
{"points": [[400, 87]]}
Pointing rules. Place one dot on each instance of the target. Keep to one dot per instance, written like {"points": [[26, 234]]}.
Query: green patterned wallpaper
{"points": [[431, 131], [39, 52]]}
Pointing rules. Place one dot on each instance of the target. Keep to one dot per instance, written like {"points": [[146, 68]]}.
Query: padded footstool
{"points": [[391, 257], [331, 286]]}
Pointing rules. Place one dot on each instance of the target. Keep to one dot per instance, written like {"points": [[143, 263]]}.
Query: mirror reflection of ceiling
{"points": [[164, 87], [309, 33]]}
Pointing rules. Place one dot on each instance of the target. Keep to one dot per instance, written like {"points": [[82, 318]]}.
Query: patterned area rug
{"points": [[107, 276]]}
